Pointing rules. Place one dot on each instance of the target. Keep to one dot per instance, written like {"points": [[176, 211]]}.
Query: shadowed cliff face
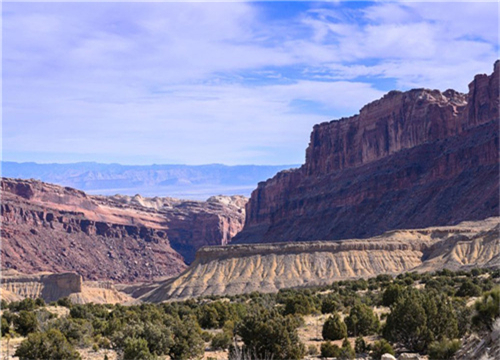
{"points": [[237, 269], [414, 159], [50, 228]]}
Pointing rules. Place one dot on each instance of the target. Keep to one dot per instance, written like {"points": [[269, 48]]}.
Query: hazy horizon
{"points": [[197, 182]]}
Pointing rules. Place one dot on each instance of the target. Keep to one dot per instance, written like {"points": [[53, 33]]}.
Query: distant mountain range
{"points": [[181, 181]]}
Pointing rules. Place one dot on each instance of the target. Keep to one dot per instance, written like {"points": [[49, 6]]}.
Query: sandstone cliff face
{"points": [[237, 269], [52, 287], [50, 228], [414, 159]]}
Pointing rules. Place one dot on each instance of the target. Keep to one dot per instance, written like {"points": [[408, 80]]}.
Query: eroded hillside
{"points": [[237, 269], [46, 227]]}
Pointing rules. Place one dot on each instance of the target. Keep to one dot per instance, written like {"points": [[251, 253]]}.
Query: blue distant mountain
{"points": [[181, 181]]}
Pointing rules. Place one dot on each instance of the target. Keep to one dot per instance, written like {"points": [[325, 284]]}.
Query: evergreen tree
{"points": [[334, 328]]}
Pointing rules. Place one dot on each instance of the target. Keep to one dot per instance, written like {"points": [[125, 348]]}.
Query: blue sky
{"points": [[232, 83]]}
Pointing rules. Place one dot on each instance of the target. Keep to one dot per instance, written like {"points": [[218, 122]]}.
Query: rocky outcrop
{"points": [[236, 269], [51, 228], [411, 159], [52, 287]]}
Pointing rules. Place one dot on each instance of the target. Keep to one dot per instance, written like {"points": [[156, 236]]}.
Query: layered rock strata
{"points": [[126, 239], [52, 287], [237, 269], [409, 160]]}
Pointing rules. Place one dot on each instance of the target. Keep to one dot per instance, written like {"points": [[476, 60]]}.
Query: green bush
{"points": [[39, 302], [329, 306], [334, 328], [329, 350], [136, 349], [346, 351], [362, 321], [5, 327], [419, 318], [360, 345], [188, 342], [267, 333], [65, 301], [380, 348], [468, 288], [221, 341], [487, 309], [27, 304], [299, 304], [26, 323], [47, 345], [444, 349], [77, 331], [391, 294]]}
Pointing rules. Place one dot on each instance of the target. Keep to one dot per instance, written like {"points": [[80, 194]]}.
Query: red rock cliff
{"points": [[51, 228], [409, 160]]}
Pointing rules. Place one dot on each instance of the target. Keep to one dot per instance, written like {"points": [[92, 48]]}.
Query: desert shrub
{"points": [[444, 349], [419, 318], [27, 304], [380, 348], [487, 284], [391, 294], [39, 302], [441, 317], [298, 304], [464, 317], [3, 304], [159, 338], [329, 350], [346, 351], [215, 314], [102, 342], [65, 301], [47, 345], [487, 309], [362, 320], [334, 328], [468, 288], [221, 341], [187, 340], [5, 327], [267, 333], [312, 350], [136, 349], [208, 318], [26, 322], [329, 305], [360, 345], [77, 331]]}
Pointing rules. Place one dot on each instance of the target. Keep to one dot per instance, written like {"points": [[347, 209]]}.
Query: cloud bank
{"points": [[233, 83]]}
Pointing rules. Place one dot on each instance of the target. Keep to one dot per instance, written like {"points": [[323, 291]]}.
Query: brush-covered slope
{"points": [[47, 227], [237, 269], [409, 160]]}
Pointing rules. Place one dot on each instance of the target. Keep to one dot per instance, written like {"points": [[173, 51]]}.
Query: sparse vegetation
{"points": [[405, 312]]}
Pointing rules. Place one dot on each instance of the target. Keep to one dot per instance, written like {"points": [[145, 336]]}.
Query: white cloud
{"points": [[200, 83]]}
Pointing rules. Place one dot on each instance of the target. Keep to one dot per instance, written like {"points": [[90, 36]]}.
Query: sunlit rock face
{"points": [[58, 229], [409, 160]]}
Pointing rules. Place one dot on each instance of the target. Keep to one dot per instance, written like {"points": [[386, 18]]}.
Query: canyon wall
{"points": [[46, 227], [237, 269], [411, 159]]}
